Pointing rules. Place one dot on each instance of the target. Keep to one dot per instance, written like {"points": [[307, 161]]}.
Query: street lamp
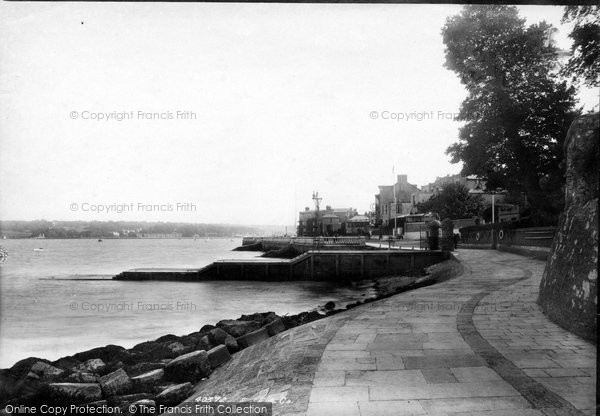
{"points": [[494, 193]]}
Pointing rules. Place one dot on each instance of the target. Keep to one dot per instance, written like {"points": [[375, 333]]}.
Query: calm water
{"points": [[51, 306]]}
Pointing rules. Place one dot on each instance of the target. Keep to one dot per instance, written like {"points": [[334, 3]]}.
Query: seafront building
{"points": [[396, 209], [330, 221]]}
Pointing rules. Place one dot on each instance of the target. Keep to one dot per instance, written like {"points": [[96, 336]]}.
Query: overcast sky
{"points": [[285, 99]]}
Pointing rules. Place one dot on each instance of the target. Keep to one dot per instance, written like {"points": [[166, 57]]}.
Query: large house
{"points": [[329, 222], [393, 202], [396, 205]]}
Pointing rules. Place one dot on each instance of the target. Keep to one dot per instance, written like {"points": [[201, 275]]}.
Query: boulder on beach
{"points": [[238, 328], [142, 368], [66, 362], [75, 392], [204, 343], [168, 338], [253, 338], [206, 328], [94, 365], [261, 317], [147, 381], [177, 348], [219, 337], [29, 384], [152, 351], [174, 395], [45, 370], [190, 340], [115, 383], [218, 355], [81, 377], [275, 327], [22, 367], [188, 367], [107, 354]]}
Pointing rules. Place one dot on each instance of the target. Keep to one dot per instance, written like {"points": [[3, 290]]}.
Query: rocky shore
{"points": [[163, 371]]}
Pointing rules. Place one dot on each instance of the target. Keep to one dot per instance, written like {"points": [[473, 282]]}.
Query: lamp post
{"points": [[494, 193]]}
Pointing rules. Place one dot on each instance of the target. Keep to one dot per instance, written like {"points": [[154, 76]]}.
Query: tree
{"points": [[453, 201], [585, 60], [517, 111]]}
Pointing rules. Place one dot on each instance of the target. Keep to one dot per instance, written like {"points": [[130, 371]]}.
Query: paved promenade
{"points": [[474, 345]]}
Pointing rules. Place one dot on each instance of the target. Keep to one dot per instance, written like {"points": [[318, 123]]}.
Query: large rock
{"points": [[66, 362], [218, 356], [168, 338], [7, 385], [177, 348], [188, 367], [115, 383], [204, 343], [238, 328], [262, 318], [83, 378], [253, 338], [219, 337], [43, 369], [75, 392], [94, 365], [107, 354], [30, 384], [147, 381], [22, 367], [275, 327], [152, 351], [142, 368], [568, 290], [174, 395]]}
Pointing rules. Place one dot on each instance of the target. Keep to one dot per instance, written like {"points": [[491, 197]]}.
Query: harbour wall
{"points": [[329, 265]]}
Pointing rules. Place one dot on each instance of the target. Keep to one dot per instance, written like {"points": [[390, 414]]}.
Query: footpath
{"points": [[477, 344]]}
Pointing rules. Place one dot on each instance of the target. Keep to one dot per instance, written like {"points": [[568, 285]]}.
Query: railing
{"points": [[531, 237], [537, 237], [316, 241]]}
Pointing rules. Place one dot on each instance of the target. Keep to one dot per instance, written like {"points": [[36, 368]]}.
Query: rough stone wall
{"points": [[568, 290]]}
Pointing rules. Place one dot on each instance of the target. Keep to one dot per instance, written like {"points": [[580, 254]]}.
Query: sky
{"points": [[222, 113]]}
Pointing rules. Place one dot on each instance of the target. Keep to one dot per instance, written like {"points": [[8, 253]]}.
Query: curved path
{"points": [[474, 345]]}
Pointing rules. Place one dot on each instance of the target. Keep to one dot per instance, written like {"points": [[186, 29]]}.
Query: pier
{"points": [[326, 265]]}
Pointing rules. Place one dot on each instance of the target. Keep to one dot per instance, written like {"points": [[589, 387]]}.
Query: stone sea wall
{"points": [[568, 290]]}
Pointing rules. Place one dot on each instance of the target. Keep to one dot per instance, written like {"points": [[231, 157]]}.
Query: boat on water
{"points": [[99, 240], [38, 249]]}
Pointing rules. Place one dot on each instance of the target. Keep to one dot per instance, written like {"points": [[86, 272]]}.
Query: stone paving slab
{"points": [[474, 345]]}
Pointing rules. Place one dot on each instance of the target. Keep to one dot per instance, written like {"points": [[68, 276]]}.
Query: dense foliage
{"points": [[518, 109], [453, 201], [585, 60]]}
